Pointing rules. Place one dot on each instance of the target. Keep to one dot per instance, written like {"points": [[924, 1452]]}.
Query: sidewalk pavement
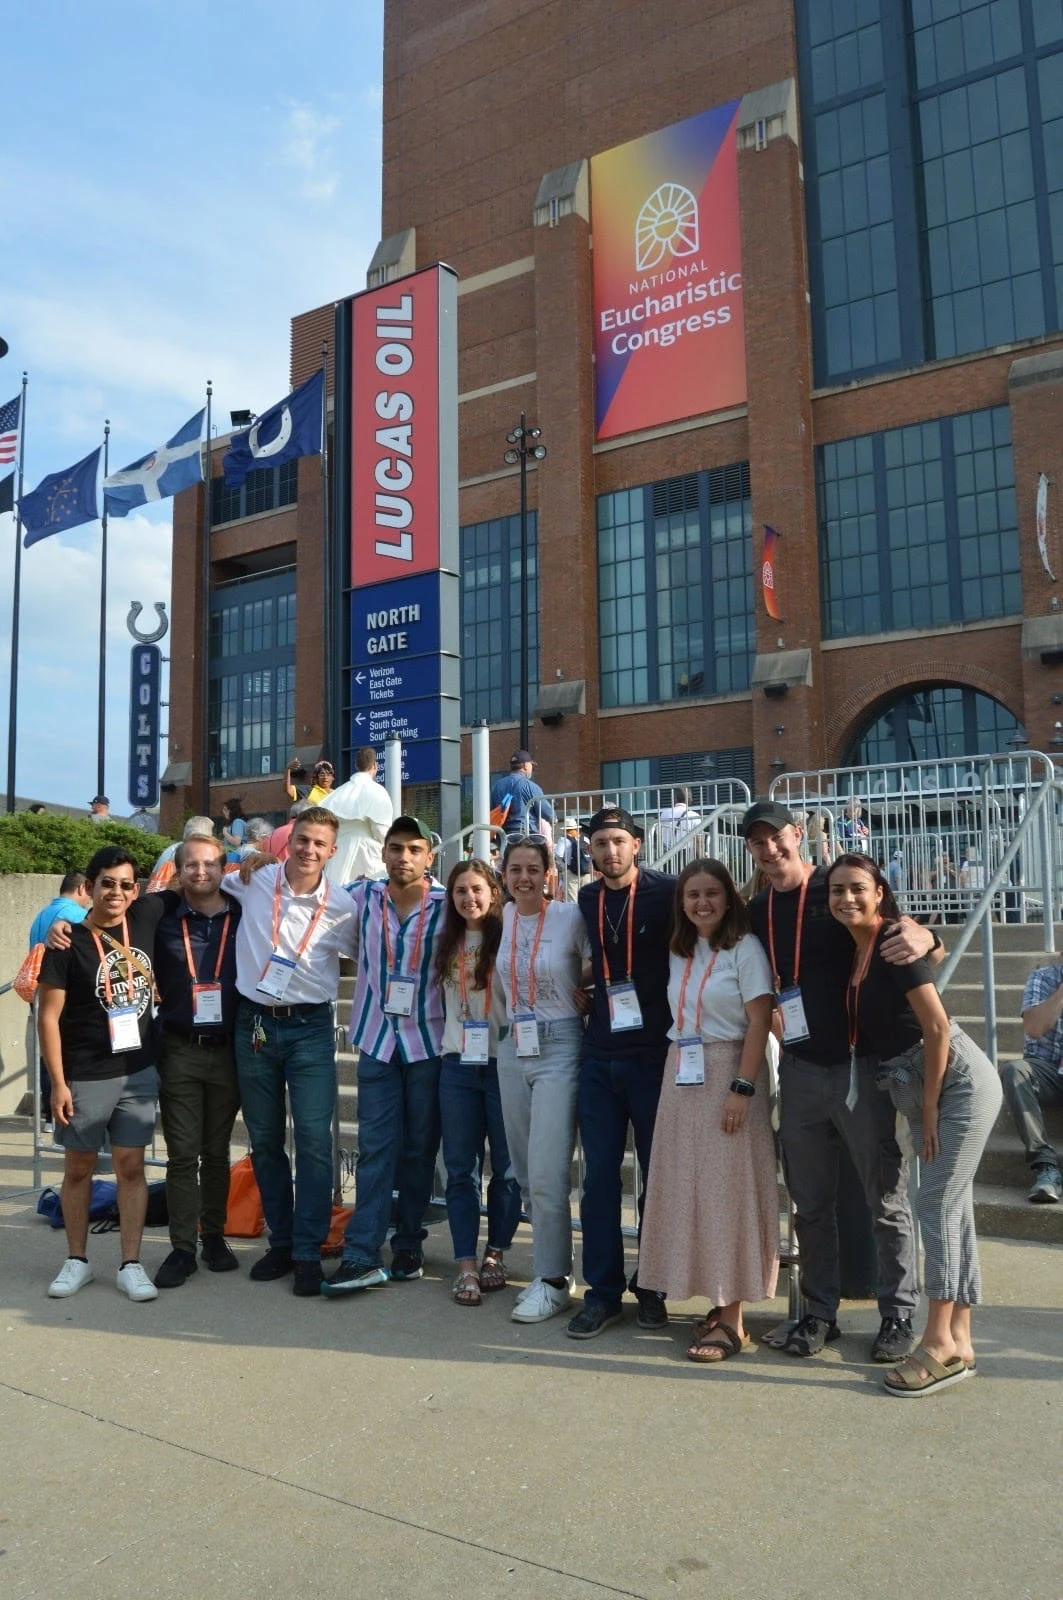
{"points": [[229, 1440]]}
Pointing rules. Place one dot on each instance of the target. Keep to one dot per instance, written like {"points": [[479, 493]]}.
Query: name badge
{"points": [[399, 995], [690, 1061], [526, 1033], [125, 1029], [794, 1022], [624, 1012], [475, 1043], [206, 1004], [276, 978]]}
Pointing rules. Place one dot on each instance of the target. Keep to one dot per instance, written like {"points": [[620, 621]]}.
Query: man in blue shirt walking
{"points": [[520, 798]]}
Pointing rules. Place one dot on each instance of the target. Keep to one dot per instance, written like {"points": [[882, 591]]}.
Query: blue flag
{"points": [[176, 465], [63, 500], [289, 429]]}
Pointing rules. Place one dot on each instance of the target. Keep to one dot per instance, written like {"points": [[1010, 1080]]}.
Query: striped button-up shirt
{"points": [[419, 1036]]}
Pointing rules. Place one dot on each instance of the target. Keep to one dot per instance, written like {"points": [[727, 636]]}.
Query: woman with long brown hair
{"points": [[711, 1225], [469, 1101]]}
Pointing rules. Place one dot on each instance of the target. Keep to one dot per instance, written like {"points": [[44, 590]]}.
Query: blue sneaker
{"points": [[352, 1275]]}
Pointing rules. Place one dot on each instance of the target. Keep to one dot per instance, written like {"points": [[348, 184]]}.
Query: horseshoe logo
{"points": [[156, 634]]}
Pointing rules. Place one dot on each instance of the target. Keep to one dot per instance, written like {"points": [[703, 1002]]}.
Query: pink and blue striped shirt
{"points": [[419, 1036]]}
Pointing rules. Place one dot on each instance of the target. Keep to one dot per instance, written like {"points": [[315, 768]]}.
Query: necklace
{"points": [[616, 927]]}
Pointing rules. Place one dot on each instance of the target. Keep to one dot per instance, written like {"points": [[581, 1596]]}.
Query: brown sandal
{"points": [[706, 1323], [717, 1344], [492, 1272], [466, 1290]]}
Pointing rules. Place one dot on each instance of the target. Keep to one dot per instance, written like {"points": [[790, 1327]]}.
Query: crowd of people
{"points": [[498, 1023]]}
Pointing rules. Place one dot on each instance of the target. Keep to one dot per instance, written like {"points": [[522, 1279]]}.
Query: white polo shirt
{"points": [[317, 972]]}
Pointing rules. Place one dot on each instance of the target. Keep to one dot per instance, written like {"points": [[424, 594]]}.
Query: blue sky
{"points": [[175, 187]]}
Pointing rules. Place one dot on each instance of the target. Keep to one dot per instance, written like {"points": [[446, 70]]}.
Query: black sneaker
{"points": [[593, 1320], [352, 1275], [276, 1263], [653, 1313], [894, 1340], [808, 1337], [217, 1256], [176, 1269], [407, 1265], [307, 1280]]}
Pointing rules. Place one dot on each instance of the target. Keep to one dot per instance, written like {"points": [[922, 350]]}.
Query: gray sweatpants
{"points": [[970, 1100], [1030, 1085], [814, 1120], [539, 1111]]}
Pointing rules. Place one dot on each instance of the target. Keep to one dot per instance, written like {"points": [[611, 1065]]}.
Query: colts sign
{"points": [[145, 678]]}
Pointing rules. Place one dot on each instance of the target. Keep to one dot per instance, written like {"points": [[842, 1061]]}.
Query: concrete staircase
{"points": [[1001, 1207]]}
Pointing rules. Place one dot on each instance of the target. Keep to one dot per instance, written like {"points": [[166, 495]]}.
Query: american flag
{"points": [[9, 430]]}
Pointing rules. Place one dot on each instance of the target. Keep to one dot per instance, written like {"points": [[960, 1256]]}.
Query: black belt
{"points": [[304, 1010], [203, 1041]]}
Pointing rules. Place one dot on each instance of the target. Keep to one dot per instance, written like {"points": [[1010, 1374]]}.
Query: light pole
{"points": [[525, 443]]}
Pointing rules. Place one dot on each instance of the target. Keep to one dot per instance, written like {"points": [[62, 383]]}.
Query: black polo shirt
{"points": [[654, 901], [171, 966]]}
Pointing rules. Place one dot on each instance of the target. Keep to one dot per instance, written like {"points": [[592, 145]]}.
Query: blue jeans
{"points": [[471, 1109], [299, 1055], [398, 1139], [613, 1092]]}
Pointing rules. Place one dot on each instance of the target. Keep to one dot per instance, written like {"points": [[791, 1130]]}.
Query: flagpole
{"points": [[331, 730], [12, 713], [101, 708], [204, 640]]}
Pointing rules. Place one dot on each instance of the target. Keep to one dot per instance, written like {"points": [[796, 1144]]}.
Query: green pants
{"points": [[199, 1098]]}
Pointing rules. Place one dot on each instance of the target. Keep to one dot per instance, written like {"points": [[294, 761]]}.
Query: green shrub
{"points": [[57, 844]]}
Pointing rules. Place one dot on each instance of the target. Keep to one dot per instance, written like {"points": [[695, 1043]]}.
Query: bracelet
{"points": [[743, 1086]]}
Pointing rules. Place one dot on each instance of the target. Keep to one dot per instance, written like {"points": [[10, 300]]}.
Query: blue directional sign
{"points": [[145, 677], [421, 763], [405, 720], [392, 621], [403, 679]]}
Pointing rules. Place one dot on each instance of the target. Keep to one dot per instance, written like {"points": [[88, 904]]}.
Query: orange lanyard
{"points": [[797, 935], [531, 964], [388, 901], [130, 963], [192, 973], [859, 974], [308, 935], [463, 985], [706, 975], [629, 912]]}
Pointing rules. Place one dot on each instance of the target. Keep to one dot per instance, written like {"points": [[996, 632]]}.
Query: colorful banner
{"points": [[767, 573], [669, 330]]}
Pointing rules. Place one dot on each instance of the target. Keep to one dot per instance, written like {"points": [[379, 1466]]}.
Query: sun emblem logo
{"points": [[667, 224]]}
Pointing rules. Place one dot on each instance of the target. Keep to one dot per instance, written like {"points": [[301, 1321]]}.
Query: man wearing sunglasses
{"points": [[94, 1024]]}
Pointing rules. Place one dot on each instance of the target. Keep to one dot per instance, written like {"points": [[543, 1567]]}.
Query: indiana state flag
{"points": [[176, 465], [289, 429], [63, 500]]}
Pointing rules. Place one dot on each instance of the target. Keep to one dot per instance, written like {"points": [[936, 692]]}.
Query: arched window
{"points": [[934, 724]]}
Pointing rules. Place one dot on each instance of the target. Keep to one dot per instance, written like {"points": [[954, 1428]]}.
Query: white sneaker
{"points": [[73, 1275], [134, 1281], [541, 1301]]}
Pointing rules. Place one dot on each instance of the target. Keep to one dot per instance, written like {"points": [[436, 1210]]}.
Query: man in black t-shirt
{"points": [[628, 913], [828, 1095], [94, 1024]]}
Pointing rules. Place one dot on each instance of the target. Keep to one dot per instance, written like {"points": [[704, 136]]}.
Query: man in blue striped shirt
{"points": [[397, 1028]]}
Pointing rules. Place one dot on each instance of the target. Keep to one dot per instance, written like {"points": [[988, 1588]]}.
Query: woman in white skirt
{"points": [[711, 1225], [543, 962]]}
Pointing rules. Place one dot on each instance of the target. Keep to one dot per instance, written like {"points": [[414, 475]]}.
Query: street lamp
{"points": [[525, 443]]}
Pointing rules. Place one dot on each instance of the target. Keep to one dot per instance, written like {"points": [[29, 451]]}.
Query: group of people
{"points": [[502, 1031]]}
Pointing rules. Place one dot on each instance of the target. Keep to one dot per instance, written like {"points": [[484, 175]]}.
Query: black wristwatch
{"points": [[743, 1086], [937, 945]]}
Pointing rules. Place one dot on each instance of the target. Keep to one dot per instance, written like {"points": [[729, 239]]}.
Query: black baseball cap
{"points": [[769, 811], [412, 825], [613, 817], [99, 800], [521, 758]]}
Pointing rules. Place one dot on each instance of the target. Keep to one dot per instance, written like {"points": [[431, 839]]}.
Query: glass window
{"points": [[252, 676], [932, 724], [264, 489], [490, 619], [936, 538]]}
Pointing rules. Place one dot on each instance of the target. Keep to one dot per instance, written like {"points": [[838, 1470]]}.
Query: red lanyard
{"points": [[859, 974], [513, 990], [706, 975], [315, 919], [388, 901], [130, 963], [463, 984], [797, 934], [629, 912], [192, 973]]}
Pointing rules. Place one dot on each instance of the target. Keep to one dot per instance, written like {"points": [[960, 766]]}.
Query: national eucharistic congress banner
{"points": [[669, 331]]}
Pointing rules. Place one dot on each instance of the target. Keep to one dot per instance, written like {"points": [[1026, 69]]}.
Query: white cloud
{"points": [[307, 148]]}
